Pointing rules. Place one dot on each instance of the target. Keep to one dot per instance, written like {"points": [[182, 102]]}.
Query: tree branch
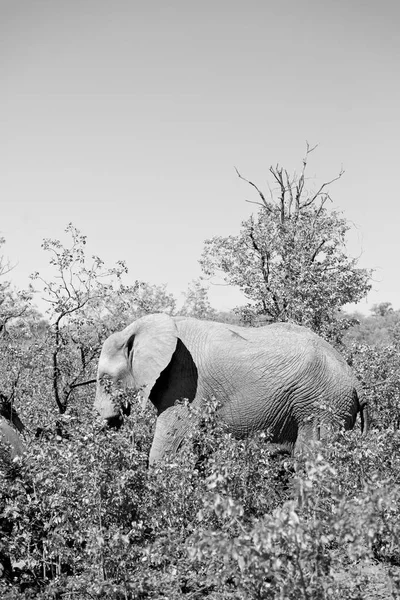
{"points": [[278, 176], [320, 191], [265, 268], [264, 202], [316, 251]]}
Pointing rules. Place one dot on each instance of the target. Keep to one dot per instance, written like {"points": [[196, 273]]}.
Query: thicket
{"points": [[82, 516]]}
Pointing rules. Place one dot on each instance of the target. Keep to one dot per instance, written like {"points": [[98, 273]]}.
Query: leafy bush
{"points": [[378, 369], [85, 517]]}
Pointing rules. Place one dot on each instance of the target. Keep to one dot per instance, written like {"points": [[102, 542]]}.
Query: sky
{"points": [[127, 119]]}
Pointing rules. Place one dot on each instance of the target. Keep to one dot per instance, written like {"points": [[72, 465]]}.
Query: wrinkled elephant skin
{"points": [[274, 378]]}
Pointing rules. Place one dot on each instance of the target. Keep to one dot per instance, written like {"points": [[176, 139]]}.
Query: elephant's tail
{"points": [[363, 409], [364, 418]]}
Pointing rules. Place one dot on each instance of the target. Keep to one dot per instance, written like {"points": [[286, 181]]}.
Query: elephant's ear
{"points": [[150, 348]]}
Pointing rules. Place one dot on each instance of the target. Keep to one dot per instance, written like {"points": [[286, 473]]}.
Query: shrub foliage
{"points": [[84, 517]]}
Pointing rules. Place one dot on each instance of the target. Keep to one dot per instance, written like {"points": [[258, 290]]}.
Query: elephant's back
{"points": [[300, 340], [281, 351], [276, 342]]}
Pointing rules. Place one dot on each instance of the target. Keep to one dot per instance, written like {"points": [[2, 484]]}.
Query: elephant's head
{"points": [[133, 359]]}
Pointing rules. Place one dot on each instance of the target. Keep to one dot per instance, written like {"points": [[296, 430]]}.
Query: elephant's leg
{"points": [[172, 426], [309, 433]]}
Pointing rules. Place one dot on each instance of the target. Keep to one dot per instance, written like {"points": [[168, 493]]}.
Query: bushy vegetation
{"points": [[82, 515]]}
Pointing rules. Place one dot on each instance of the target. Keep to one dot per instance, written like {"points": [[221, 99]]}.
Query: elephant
{"points": [[11, 439], [273, 378], [10, 427]]}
